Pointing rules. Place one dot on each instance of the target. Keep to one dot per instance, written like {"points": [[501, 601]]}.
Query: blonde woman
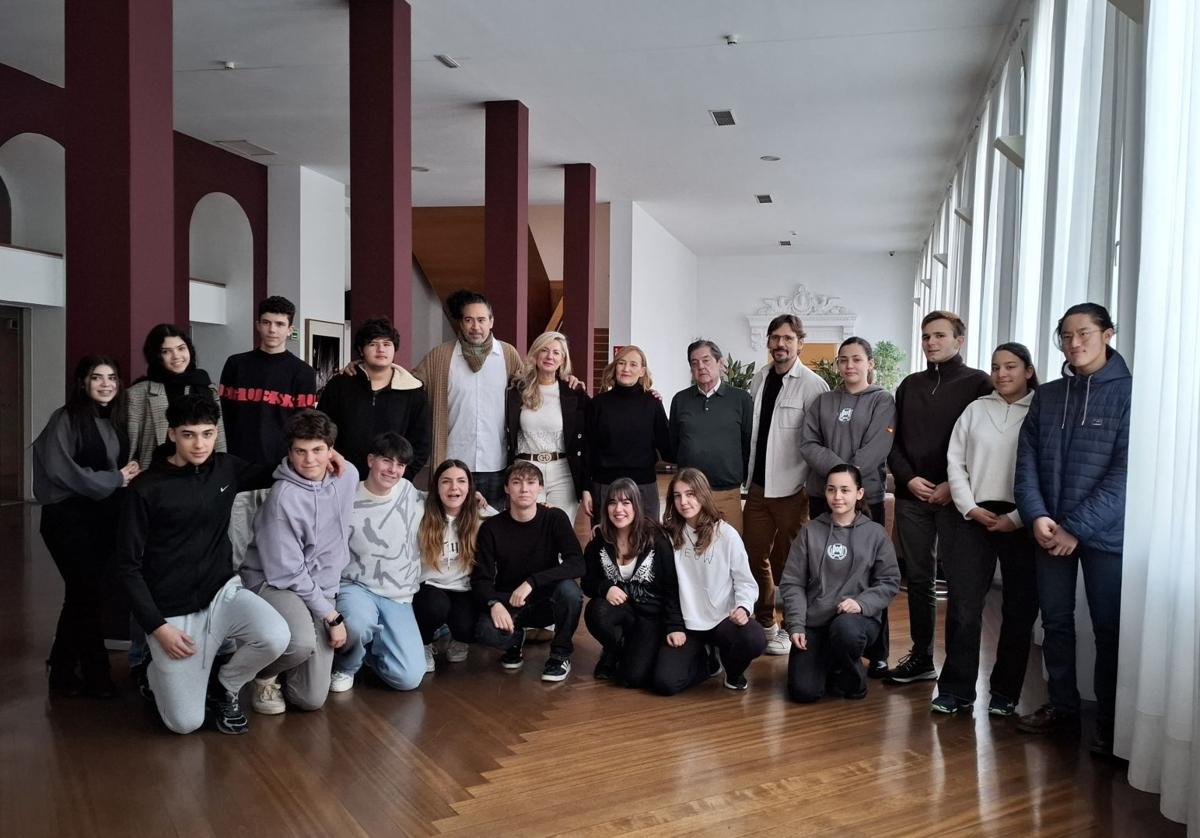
{"points": [[544, 422], [627, 432]]}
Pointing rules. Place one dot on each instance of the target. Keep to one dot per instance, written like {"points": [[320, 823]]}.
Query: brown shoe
{"points": [[1048, 719]]}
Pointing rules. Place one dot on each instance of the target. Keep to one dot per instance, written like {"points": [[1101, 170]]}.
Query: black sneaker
{"points": [[514, 655], [557, 669], [226, 713], [877, 669], [1048, 719], [141, 680], [913, 667], [606, 667], [739, 683], [1001, 706], [714, 662]]}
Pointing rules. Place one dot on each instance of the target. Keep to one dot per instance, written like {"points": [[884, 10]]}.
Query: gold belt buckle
{"points": [[544, 457]]}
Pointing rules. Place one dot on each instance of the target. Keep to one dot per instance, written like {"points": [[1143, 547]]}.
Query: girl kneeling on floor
{"points": [[716, 593], [840, 575], [630, 577]]}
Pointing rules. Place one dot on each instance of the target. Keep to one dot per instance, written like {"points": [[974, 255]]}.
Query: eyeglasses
{"points": [[1084, 335]]}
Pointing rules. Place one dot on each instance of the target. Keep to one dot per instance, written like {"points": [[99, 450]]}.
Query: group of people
{"points": [[270, 535]]}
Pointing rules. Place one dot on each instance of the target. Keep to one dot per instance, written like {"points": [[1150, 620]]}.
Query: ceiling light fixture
{"points": [[722, 118], [764, 199], [420, 168], [447, 61], [229, 65], [770, 158], [784, 243]]}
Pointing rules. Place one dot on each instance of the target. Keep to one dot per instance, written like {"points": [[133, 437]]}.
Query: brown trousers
{"points": [[729, 502], [770, 524]]}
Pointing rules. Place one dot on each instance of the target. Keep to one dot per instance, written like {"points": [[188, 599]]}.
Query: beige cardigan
{"points": [[147, 422], [434, 373]]}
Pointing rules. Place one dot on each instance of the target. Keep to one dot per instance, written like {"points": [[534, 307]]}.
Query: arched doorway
{"points": [[221, 270]]}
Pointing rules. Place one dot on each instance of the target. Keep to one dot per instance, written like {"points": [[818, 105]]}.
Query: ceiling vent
{"points": [[244, 147], [722, 118], [764, 199], [785, 243]]}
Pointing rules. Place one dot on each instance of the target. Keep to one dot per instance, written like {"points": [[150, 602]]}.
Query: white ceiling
{"points": [[866, 101]]}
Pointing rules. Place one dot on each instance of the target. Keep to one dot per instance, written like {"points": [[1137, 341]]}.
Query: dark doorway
{"points": [[12, 405]]}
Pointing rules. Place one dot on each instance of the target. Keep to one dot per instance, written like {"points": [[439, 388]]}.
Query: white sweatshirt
{"points": [[383, 541], [982, 459], [451, 573], [713, 583]]}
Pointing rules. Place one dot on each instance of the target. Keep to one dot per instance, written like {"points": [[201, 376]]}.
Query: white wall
{"points": [[221, 250], [663, 284], [429, 324], [878, 288], [32, 167]]}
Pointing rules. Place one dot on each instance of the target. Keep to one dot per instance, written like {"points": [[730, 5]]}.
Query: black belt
{"points": [[544, 457]]}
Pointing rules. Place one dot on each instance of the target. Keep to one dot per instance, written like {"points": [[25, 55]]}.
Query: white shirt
{"points": [[786, 471], [475, 402], [713, 583], [981, 462], [542, 429], [451, 574]]}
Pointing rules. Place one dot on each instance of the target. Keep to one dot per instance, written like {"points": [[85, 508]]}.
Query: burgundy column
{"points": [[506, 219], [119, 177], [579, 266], [381, 165]]}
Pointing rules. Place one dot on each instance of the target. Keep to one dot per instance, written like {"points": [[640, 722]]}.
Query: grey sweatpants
{"points": [[181, 686], [307, 662]]}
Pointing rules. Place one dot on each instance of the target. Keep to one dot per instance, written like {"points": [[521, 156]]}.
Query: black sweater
{"points": [[510, 552], [173, 550], [653, 589], [361, 413], [259, 391], [627, 434], [927, 406]]}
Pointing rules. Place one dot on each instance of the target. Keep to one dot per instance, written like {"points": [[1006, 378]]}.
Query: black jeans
{"points": [[968, 578], [920, 527], [685, 666], [1056, 577], [881, 646], [80, 535], [436, 607], [631, 635], [834, 656], [559, 604]]}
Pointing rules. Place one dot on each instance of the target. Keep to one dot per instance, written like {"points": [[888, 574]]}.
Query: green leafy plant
{"points": [[888, 361], [738, 374], [827, 369]]}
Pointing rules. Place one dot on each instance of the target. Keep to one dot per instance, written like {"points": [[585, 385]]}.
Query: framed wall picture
{"points": [[325, 349]]}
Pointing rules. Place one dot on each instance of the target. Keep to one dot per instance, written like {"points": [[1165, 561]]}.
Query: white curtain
{"points": [[1158, 700]]}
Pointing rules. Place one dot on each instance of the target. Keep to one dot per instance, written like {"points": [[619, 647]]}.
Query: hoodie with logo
{"points": [[173, 550], [928, 404], [301, 536], [828, 563], [1073, 454], [855, 428]]}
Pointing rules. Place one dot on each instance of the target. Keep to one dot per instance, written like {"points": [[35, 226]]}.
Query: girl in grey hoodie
{"points": [[840, 575]]}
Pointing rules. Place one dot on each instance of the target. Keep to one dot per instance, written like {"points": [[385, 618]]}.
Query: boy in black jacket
{"points": [[173, 551], [518, 579]]}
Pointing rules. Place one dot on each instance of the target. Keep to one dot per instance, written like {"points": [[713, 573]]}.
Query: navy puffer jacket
{"points": [[1072, 457]]}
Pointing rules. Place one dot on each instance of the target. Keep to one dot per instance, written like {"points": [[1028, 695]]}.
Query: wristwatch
{"points": [[336, 621]]}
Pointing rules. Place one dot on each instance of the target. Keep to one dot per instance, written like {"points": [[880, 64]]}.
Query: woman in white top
{"points": [[981, 463], [716, 593], [446, 539], [544, 420]]}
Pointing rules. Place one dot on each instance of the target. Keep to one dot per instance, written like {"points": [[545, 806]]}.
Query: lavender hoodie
{"points": [[301, 536]]}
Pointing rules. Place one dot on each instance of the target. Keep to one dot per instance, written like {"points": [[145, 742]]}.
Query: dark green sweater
{"points": [[713, 433]]}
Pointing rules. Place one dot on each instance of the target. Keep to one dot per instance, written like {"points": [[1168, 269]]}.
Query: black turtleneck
{"points": [[928, 404], [627, 435]]}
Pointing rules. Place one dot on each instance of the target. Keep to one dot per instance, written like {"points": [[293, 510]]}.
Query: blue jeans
{"points": [[382, 632], [1056, 577]]}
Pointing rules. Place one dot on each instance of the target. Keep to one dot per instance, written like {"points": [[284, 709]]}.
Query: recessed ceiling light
{"points": [[770, 158], [229, 65], [722, 118], [785, 243], [764, 199], [447, 61], [420, 168]]}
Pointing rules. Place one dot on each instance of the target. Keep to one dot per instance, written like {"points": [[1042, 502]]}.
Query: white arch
{"points": [[33, 167], [221, 251]]}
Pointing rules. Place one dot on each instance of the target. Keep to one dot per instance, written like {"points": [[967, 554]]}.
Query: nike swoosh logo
{"points": [[223, 488]]}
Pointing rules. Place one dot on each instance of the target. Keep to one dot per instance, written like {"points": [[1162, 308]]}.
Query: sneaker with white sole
{"points": [[557, 669], [226, 715], [341, 682], [429, 665], [778, 642], [267, 697], [457, 651]]}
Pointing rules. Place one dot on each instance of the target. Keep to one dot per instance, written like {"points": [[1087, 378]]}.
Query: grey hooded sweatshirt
{"points": [[301, 536], [855, 428], [828, 563]]}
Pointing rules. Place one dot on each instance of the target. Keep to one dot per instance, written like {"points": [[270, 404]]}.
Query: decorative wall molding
{"points": [[825, 318]]}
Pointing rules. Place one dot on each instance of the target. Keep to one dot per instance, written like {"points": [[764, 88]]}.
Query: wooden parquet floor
{"points": [[477, 751]]}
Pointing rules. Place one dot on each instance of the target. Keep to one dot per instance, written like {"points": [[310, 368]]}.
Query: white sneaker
{"points": [[267, 697], [429, 666], [456, 651], [778, 642], [341, 682]]}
